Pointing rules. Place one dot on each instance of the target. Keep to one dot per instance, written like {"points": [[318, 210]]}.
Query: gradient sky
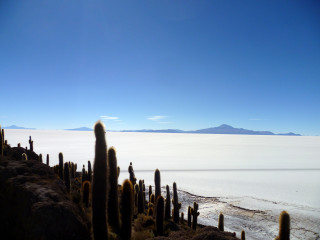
{"points": [[161, 64]]}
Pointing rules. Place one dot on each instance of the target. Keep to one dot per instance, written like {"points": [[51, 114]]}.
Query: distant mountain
{"points": [[222, 129], [80, 129], [17, 127]]}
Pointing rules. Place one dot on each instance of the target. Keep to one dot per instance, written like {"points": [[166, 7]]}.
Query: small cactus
{"points": [[61, 166], [24, 157], [1, 142], [182, 218], [159, 215], [195, 214], [168, 204], [99, 185], [83, 177], [127, 211], [176, 204], [113, 204], [284, 226], [31, 144], [136, 196], [131, 173], [40, 158], [152, 198], [243, 235], [67, 176], [47, 162], [89, 177], [85, 192], [118, 171], [221, 222], [189, 216], [140, 198]]}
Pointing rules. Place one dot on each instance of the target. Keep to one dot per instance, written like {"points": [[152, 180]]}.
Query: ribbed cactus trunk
{"points": [[284, 226], [67, 176], [221, 222], [195, 215], [113, 204], [99, 185], [168, 204], [159, 215], [61, 166], [157, 184], [126, 214], [176, 204]]}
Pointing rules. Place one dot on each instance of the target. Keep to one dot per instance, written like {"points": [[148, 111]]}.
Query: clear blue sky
{"points": [[161, 64]]}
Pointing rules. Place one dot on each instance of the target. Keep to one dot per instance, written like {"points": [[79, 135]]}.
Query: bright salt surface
{"points": [[251, 200]]}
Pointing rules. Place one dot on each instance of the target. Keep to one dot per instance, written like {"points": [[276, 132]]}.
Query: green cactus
{"points": [[189, 216], [113, 204], [284, 226], [31, 144], [24, 157], [140, 198], [40, 158], [159, 215], [85, 192], [99, 185], [126, 214], [221, 222], [195, 214], [89, 177], [176, 204], [61, 166], [243, 235], [168, 204], [67, 176], [47, 160]]}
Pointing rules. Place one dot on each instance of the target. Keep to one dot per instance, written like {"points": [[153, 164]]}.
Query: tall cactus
{"points": [[1, 142], [113, 204], [284, 226], [168, 204], [182, 218], [157, 183], [89, 172], [176, 204], [195, 214], [31, 144], [140, 198], [189, 216], [61, 166], [159, 215], [99, 185], [243, 235], [136, 196], [221, 222], [126, 214], [83, 177], [47, 162], [85, 193], [67, 176], [150, 192]]}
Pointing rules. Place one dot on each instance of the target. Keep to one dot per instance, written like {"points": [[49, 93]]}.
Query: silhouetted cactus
{"points": [[61, 166], [83, 177], [31, 143], [189, 216], [157, 184], [152, 198], [24, 157], [72, 172], [113, 204], [221, 222], [47, 162], [176, 204], [126, 214], [131, 173], [118, 171], [284, 226], [89, 177], [40, 158], [140, 198], [243, 235], [136, 196], [168, 204], [99, 185], [1, 142], [150, 192], [182, 218], [195, 214], [159, 215], [85, 192], [67, 176], [144, 191]]}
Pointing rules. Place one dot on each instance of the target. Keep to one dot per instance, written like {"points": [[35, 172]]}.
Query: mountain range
{"points": [[17, 127]]}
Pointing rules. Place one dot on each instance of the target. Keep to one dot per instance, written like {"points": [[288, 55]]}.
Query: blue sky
{"points": [[161, 64]]}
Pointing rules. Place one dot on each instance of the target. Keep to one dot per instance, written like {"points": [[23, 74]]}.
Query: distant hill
{"points": [[222, 129], [80, 129], [17, 127]]}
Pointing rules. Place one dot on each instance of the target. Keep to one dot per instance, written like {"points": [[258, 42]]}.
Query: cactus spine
{"points": [[47, 160], [168, 204], [284, 226], [31, 144], [113, 204], [61, 166], [67, 176], [176, 204], [189, 216], [195, 214], [221, 222], [126, 214], [99, 185], [159, 215], [243, 235], [85, 193]]}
